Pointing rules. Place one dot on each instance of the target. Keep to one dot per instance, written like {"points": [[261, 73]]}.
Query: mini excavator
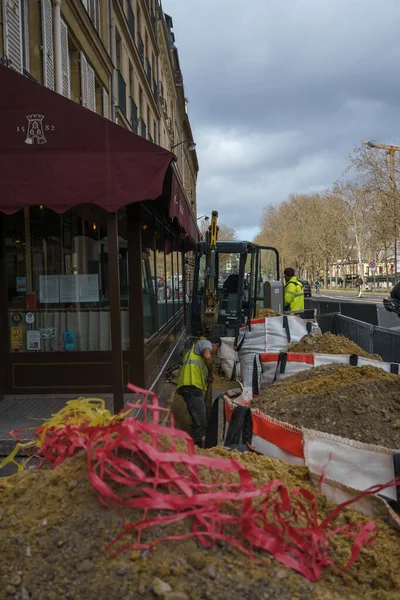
{"points": [[232, 282]]}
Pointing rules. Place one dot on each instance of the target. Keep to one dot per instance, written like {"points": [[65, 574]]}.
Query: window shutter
{"points": [[91, 89], [105, 103], [47, 43], [84, 80], [66, 86], [94, 13], [13, 32]]}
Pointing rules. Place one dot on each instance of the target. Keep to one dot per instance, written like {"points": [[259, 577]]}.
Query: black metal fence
{"points": [[360, 322]]}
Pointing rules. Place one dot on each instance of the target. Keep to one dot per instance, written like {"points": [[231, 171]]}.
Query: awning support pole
{"points": [[115, 312], [136, 318]]}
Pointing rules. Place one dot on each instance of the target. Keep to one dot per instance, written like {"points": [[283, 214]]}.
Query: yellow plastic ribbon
{"points": [[91, 412]]}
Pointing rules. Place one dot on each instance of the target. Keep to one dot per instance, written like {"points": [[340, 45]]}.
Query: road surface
{"points": [[349, 296]]}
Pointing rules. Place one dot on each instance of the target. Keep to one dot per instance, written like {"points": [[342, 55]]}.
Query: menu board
{"points": [[88, 288], [68, 288], [49, 289]]}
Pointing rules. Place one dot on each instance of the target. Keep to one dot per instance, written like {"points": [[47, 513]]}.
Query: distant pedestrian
{"points": [[316, 283], [359, 283]]}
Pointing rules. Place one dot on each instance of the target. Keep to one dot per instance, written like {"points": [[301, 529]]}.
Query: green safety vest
{"points": [[294, 295], [194, 371]]}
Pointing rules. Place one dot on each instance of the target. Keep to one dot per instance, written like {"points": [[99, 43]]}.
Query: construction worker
{"points": [[294, 292], [196, 373]]}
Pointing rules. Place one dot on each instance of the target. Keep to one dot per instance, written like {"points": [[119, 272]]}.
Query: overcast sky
{"points": [[280, 91]]}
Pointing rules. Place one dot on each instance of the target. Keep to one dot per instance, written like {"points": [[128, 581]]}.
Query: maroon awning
{"points": [[56, 153], [179, 209]]}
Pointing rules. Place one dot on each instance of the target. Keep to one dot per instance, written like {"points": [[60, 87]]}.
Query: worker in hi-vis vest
{"points": [[294, 292], [196, 373]]}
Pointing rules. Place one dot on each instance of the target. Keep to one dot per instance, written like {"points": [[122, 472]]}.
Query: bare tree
{"points": [[356, 215]]}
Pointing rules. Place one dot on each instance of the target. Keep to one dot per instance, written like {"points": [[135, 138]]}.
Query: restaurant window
{"points": [[163, 288], [57, 280], [170, 275], [149, 283], [123, 276], [178, 281]]}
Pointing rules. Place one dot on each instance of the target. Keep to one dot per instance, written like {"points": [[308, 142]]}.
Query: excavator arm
{"points": [[210, 308]]}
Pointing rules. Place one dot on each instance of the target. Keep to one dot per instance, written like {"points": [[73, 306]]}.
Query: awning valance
{"points": [[58, 154], [179, 209]]}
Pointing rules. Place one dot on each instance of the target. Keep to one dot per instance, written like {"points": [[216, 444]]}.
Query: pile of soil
{"points": [[328, 343], [268, 312], [53, 532], [360, 403]]}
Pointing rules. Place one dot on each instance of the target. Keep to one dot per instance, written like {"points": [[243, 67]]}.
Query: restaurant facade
{"points": [[95, 227]]}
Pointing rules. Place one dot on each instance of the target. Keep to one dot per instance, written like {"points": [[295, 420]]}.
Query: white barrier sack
{"points": [[229, 358], [276, 367], [266, 334]]}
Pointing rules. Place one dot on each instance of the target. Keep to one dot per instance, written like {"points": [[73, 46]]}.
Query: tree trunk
{"points": [[326, 272]]}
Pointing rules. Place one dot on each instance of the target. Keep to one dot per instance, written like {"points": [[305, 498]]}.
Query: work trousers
{"points": [[196, 405]]}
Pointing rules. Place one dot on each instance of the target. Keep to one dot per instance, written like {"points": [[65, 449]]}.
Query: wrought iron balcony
{"points": [[121, 92], [131, 22]]}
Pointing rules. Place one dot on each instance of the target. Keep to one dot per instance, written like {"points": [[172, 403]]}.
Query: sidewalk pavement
{"points": [[28, 412]]}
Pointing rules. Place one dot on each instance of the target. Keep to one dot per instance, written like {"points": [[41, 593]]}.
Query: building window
{"points": [[118, 47], [134, 116], [88, 84], [47, 43], [57, 280], [150, 285], [93, 8], [25, 34], [161, 273], [140, 102], [131, 81], [105, 103], [143, 128], [65, 64], [131, 21], [16, 34]]}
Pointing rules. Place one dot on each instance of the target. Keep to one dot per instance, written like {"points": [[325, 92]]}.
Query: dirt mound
{"points": [[268, 312], [360, 403], [53, 534], [328, 343]]}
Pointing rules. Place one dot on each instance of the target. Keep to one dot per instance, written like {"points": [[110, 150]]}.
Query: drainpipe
{"points": [[57, 45], [112, 41]]}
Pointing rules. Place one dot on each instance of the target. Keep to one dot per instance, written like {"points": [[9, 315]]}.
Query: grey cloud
{"points": [[299, 81]]}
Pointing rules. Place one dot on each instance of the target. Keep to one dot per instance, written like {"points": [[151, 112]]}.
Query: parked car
{"points": [[306, 288]]}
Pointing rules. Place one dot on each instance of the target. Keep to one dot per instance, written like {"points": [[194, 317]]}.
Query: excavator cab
{"points": [[229, 284]]}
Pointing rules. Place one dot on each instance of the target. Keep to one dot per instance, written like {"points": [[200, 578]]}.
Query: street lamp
{"points": [[203, 217], [191, 145], [391, 151]]}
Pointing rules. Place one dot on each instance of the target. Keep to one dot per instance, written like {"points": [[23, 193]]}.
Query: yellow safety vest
{"points": [[294, 295], [194, 371]]}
